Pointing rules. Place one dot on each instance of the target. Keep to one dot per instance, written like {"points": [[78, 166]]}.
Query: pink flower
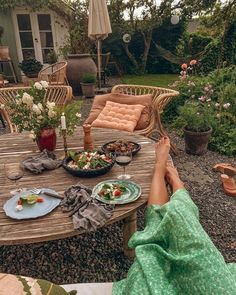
{"points": [[217, 104], [202, 98], [226, 105], [184, 66], [193, 62]]}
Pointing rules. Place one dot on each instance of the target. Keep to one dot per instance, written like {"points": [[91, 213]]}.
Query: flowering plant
{"points": [[31, 111], [197, 114], [188, 69]]}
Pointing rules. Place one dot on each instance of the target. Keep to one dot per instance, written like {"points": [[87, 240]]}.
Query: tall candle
{"points": [[63, 122]]}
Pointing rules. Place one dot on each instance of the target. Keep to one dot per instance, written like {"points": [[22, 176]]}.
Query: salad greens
{"points": [[111, 191], [88, 160]]}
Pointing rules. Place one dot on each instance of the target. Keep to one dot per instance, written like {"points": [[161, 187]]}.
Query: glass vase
{"points": [[47, 139]]}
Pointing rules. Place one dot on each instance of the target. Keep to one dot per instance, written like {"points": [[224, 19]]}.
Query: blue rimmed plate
{"points": [[132, 193], [31, 211]]}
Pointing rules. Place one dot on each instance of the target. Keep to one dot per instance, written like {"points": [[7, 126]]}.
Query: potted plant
{"points": [[88, 84], [30, 67], [52, 57], [196, 118], [77, 47], [4, 50]]}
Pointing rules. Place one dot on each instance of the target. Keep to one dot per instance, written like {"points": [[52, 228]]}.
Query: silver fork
{"points": [[37, 191]]}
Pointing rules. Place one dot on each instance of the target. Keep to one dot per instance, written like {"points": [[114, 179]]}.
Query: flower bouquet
{"points": [[31, 111]]}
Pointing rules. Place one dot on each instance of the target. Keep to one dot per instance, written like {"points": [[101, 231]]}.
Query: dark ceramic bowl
{"points": [[88, 172], [135, 150]]}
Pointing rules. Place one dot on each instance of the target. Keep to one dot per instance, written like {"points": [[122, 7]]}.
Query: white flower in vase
{"points": [[44, 84], [38, 86], [27, 99], [36, 109]]}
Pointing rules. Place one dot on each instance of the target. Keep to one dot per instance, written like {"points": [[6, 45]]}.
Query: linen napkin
{"points": [[46, 160], [87, 212]]}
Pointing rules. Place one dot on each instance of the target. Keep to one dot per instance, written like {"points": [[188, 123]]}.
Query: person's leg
{"points": [[172, 176], [158, 193]]}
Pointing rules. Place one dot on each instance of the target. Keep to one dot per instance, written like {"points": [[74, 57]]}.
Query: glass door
{"points": [[26, 36], [46, 35], [34, 35]]}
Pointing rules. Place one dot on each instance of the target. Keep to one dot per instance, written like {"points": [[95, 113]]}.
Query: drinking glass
{"points": [[123, 159]]}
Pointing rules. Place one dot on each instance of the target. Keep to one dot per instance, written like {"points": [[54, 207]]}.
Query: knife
{"points": [[53, 195]]}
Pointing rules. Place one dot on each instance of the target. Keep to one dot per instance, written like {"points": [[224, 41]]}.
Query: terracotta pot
{"points": [[88, 89], [77, 65], [4, 53], [47, 139], [196, 142]]}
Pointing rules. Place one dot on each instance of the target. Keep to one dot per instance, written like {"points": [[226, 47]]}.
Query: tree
{"points": [[142, 16]]}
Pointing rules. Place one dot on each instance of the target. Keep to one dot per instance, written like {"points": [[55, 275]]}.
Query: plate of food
{"points": [[88, 163], [117, 191], [26, 205], [121, 146]]}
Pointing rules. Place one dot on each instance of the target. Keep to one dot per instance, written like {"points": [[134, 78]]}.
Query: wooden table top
{"points": [[16, 147]]}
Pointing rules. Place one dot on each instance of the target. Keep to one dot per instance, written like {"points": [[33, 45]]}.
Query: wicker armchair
{"points": [[54, 74], [58, 94], [160, 98]]}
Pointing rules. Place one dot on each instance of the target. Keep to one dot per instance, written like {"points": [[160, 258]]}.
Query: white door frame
{"points": [[35, 32]]}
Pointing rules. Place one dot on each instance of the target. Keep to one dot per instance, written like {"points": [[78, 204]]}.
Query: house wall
{"points": [[6, 21], [61, 32], [9, 40]]}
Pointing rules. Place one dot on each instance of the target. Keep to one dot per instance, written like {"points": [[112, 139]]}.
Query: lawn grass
{"points": [[159, 80]]}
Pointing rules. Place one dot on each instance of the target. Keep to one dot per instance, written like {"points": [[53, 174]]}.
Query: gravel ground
{"points": [[98, 257]]}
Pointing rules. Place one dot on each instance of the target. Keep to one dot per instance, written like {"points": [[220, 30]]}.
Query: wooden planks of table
{"points": [[56, 225]]}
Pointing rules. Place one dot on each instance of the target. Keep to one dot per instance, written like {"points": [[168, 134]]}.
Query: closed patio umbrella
{"points": [[98, 27]]}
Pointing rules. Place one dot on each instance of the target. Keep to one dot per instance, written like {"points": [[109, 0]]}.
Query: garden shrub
{"points": [[192, 44], [220, 52], [212, 57], [219, 88]]}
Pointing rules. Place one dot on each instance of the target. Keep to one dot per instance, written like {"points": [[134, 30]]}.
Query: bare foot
{"points": [[162, 150], [172, 177]]}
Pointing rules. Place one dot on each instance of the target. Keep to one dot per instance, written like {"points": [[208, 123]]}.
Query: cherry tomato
{"points": [[117, 192], [19, 202], [40, 200]]}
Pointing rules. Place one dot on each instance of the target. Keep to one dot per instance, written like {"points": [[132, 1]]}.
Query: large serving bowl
{"points": [[88, 172], [116, 145]]}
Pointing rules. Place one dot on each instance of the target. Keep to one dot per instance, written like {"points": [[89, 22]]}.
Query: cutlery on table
{"points": [[37, 191]]}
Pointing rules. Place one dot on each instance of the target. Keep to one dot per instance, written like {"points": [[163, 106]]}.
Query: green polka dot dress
{"points": [[175, 256]]}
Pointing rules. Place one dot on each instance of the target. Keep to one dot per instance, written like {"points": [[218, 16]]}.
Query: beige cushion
{"points": [[100, 102], [119, 116]]}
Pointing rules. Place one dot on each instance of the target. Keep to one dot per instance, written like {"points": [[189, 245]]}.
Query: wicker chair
{"points": [[58, 94], [160, 98], [54, 74]]}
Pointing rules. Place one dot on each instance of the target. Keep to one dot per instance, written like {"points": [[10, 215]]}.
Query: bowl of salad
{"points": [[88, 163]]}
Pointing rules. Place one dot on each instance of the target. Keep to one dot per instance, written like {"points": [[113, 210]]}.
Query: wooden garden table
{"points": [[56, 225]]}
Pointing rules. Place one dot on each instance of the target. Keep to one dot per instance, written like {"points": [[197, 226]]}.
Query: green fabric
{"points": [[175, 256]]}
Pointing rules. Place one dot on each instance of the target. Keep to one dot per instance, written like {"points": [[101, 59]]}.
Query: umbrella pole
{"points": [[99, 64]]}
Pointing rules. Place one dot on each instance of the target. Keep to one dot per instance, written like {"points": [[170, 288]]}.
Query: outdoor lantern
{"points": [[174, 19]]}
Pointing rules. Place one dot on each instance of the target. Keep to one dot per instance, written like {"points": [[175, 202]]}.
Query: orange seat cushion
{"points": [[100, 102], [119, 116]]}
